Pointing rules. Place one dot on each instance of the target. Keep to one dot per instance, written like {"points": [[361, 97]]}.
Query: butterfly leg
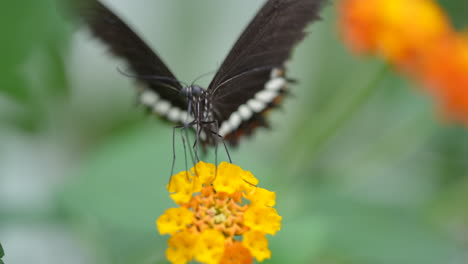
{"points": [[174, 151], [216, 143], [198, 132], [182, 136], [185, 141], [217, 135], [194, 155], [191, 124], [195, 144], [224, 144]]}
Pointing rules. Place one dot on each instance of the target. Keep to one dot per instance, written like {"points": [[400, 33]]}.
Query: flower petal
{"points": [[173, 220], [204, 173], [262, 197], [257, 243], [236, 253], [265, 219], [181, 246], [181, 187], [210, 247], [249, 181], [229, 178]]}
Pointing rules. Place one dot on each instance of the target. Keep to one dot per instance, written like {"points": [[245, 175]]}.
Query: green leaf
{"points": [[2, 252], [457, 12], [124, 182], [33, 68], [122, 188]]}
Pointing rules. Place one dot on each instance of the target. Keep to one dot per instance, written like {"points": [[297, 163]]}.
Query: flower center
{"points": [[220, 217], [217, 210]]}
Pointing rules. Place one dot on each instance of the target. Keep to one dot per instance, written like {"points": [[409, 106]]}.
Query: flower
{"points": [[223, 217], [445, 74], [395, 29], [416, 37]]}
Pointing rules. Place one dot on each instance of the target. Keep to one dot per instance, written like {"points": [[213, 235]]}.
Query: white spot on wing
{"points": [[185, 118], [224, 129], [174, 114], [245, 112], [275, 73], [235, 120], [255, 105], [149, 98], [266, 96], [162, 107], [275, 84]]}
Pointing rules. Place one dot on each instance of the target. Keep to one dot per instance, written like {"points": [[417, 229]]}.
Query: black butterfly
{"points": [[250, 81]]}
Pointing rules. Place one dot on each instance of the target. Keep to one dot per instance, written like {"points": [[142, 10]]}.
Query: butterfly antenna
{"points": [[201, 76], [156, 78], [254, 70]]}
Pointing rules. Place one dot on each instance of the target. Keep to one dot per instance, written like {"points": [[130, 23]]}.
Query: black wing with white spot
{"points": [[160, 90], [251, 79]]}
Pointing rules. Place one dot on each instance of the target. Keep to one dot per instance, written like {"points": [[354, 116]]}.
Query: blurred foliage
{"points": [[2, 253], [365, 171], [33, 47], [457, 12]]}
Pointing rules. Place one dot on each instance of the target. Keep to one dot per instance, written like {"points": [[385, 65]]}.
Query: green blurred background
{"points": [[364, 169]]}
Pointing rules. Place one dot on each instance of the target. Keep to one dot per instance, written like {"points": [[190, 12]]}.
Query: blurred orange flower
{"points": [[445, 73], [416, 37], [217, 207]]}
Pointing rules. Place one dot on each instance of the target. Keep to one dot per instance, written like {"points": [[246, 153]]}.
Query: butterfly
{"points": [[251, 81]]}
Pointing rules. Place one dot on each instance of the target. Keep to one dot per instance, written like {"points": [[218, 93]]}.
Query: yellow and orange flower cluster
{"points": [[418, 38], [223, 216]]}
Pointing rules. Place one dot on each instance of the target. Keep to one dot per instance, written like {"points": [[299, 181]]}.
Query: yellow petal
{"points": [[181, 187], [181, 246], [228, 178], [204, 173], [173, 220], [210, 247], [249, 178], [257, 244], [261, 218], [261, 197]]}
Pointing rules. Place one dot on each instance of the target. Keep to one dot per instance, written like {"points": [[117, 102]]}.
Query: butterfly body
{"points": [[204, 116], [250, 82]]}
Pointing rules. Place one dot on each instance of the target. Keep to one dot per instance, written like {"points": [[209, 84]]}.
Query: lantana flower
{"points": [[399, 30], [223, 217], [417, 37]]}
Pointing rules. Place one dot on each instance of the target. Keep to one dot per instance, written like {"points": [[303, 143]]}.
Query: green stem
{"points": [[333, 120]]}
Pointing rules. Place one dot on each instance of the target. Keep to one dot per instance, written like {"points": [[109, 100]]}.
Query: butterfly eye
{"points": [[185, 91], [196, 90], [192, 90]]}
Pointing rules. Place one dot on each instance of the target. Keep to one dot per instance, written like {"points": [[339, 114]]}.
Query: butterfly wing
{"points": [[160, 90], [251, 79]]}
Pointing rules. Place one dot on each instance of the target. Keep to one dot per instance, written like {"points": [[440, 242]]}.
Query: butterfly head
{"points": [[192, 91]]}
